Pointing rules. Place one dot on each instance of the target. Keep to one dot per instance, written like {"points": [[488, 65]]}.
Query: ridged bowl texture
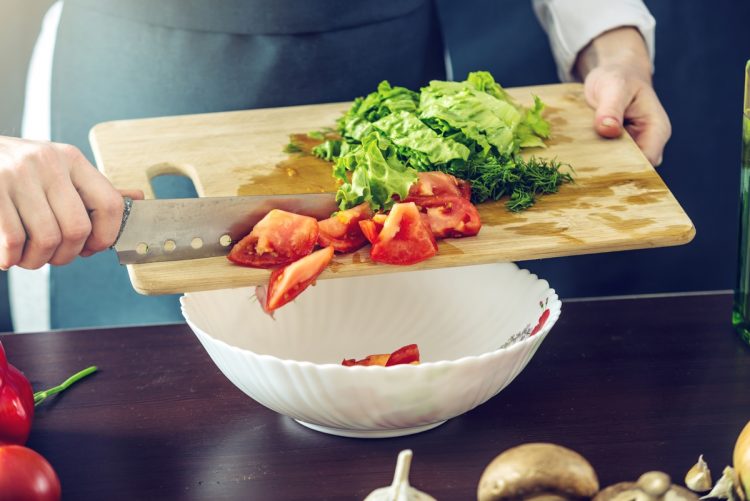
{"points": [[473, 326]]}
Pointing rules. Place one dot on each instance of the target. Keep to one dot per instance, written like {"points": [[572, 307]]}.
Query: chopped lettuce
{"points": [[376, 105], [533, 127], [376, 174], [407, 131], [471, 129]]}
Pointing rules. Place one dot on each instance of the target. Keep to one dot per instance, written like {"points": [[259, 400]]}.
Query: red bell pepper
{"points": [[17, 400], [16, 403]]}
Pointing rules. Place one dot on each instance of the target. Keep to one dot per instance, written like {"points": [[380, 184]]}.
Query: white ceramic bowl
{"points": [[472, 325]]}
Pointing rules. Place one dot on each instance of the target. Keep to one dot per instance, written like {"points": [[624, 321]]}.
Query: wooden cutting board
{"points": [[618, 201]]}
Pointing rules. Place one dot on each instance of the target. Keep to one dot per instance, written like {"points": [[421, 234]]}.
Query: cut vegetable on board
{"points": [[409, 166], [472, 130]]}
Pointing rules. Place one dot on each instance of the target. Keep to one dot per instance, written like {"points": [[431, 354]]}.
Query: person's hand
{"points": [[616, 71], [54, 205]]}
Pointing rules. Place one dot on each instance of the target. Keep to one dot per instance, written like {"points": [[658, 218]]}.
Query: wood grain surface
{"points": [[632, 384], [618, 201]]}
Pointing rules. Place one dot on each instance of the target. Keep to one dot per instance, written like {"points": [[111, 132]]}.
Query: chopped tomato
{"points": [[406, 355], [370, 229], [287, 283], [380, 218], [451, 216], [380, 359], [405, 238], [279, 238], [438, 184], [342, 230]]}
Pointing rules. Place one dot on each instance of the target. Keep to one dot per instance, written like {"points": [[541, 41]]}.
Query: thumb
{"points": [[611, 104]]}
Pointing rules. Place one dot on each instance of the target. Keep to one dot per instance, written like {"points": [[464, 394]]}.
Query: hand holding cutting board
{"points": [[617, 71]]}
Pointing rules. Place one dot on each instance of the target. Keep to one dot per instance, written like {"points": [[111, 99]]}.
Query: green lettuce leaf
{"points": [[376, 174], [533, 127], [484, 81], [478, 115], [406, 130], [384, 101]]}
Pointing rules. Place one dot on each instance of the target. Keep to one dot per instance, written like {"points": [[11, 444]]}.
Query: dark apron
{"points": [[118, 59]]}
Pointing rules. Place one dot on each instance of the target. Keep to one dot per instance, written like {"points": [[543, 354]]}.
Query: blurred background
{"points": [[701, 49]]}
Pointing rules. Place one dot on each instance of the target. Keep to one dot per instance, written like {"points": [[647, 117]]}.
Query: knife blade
{"points": [[192, 228]]}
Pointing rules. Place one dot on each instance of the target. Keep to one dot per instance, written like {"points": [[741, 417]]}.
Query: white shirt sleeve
{"points": [[572, 24]]}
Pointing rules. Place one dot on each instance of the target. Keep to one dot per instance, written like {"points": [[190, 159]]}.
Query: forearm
{"points": [[618, 47], [571, 25]]}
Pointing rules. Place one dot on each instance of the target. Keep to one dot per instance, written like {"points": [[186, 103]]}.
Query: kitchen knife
{"points": [[192, 228]]}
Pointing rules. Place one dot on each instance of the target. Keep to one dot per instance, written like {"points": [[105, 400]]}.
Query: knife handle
{"points": [[127, 206]]}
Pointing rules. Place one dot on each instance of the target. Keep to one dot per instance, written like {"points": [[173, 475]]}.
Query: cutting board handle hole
{"points": [[173, 185]]}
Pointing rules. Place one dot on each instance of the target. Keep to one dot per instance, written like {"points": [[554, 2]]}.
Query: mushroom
{"points": [[651, 486], [400, 490], [538, 471]]}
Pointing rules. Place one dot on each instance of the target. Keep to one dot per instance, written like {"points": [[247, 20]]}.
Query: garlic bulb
{"points": [[400, 490]]}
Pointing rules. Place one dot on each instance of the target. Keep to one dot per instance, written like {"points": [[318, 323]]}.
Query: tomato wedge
{"points": [[278, 239], [438, 184], [404, 355], [380, 359], [287, 283], [405, 238], [371, 227], [451, 216], [342, 230], [408, 354]]}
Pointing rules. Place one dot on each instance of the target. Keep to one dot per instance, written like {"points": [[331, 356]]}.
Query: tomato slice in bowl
{"points": [[380, 359], [405, 238], [408, 354], [278, 239], [288, 282], [451, 216], [342, 230]]}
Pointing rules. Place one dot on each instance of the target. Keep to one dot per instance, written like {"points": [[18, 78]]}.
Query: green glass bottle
{"points": [[741, 310]]}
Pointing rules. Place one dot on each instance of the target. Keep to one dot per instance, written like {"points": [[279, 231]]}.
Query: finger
{"points": [[42, 231], [12, 234], [611, 99], [72, 219], [134, 194], [652, 129], [651, 139], [104, 203]]}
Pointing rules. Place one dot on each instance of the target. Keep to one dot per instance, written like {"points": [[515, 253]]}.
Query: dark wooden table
{"points": [[632, 384]]}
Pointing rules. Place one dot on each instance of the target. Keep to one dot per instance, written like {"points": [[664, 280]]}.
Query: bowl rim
{"points": [[554, 304]]}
